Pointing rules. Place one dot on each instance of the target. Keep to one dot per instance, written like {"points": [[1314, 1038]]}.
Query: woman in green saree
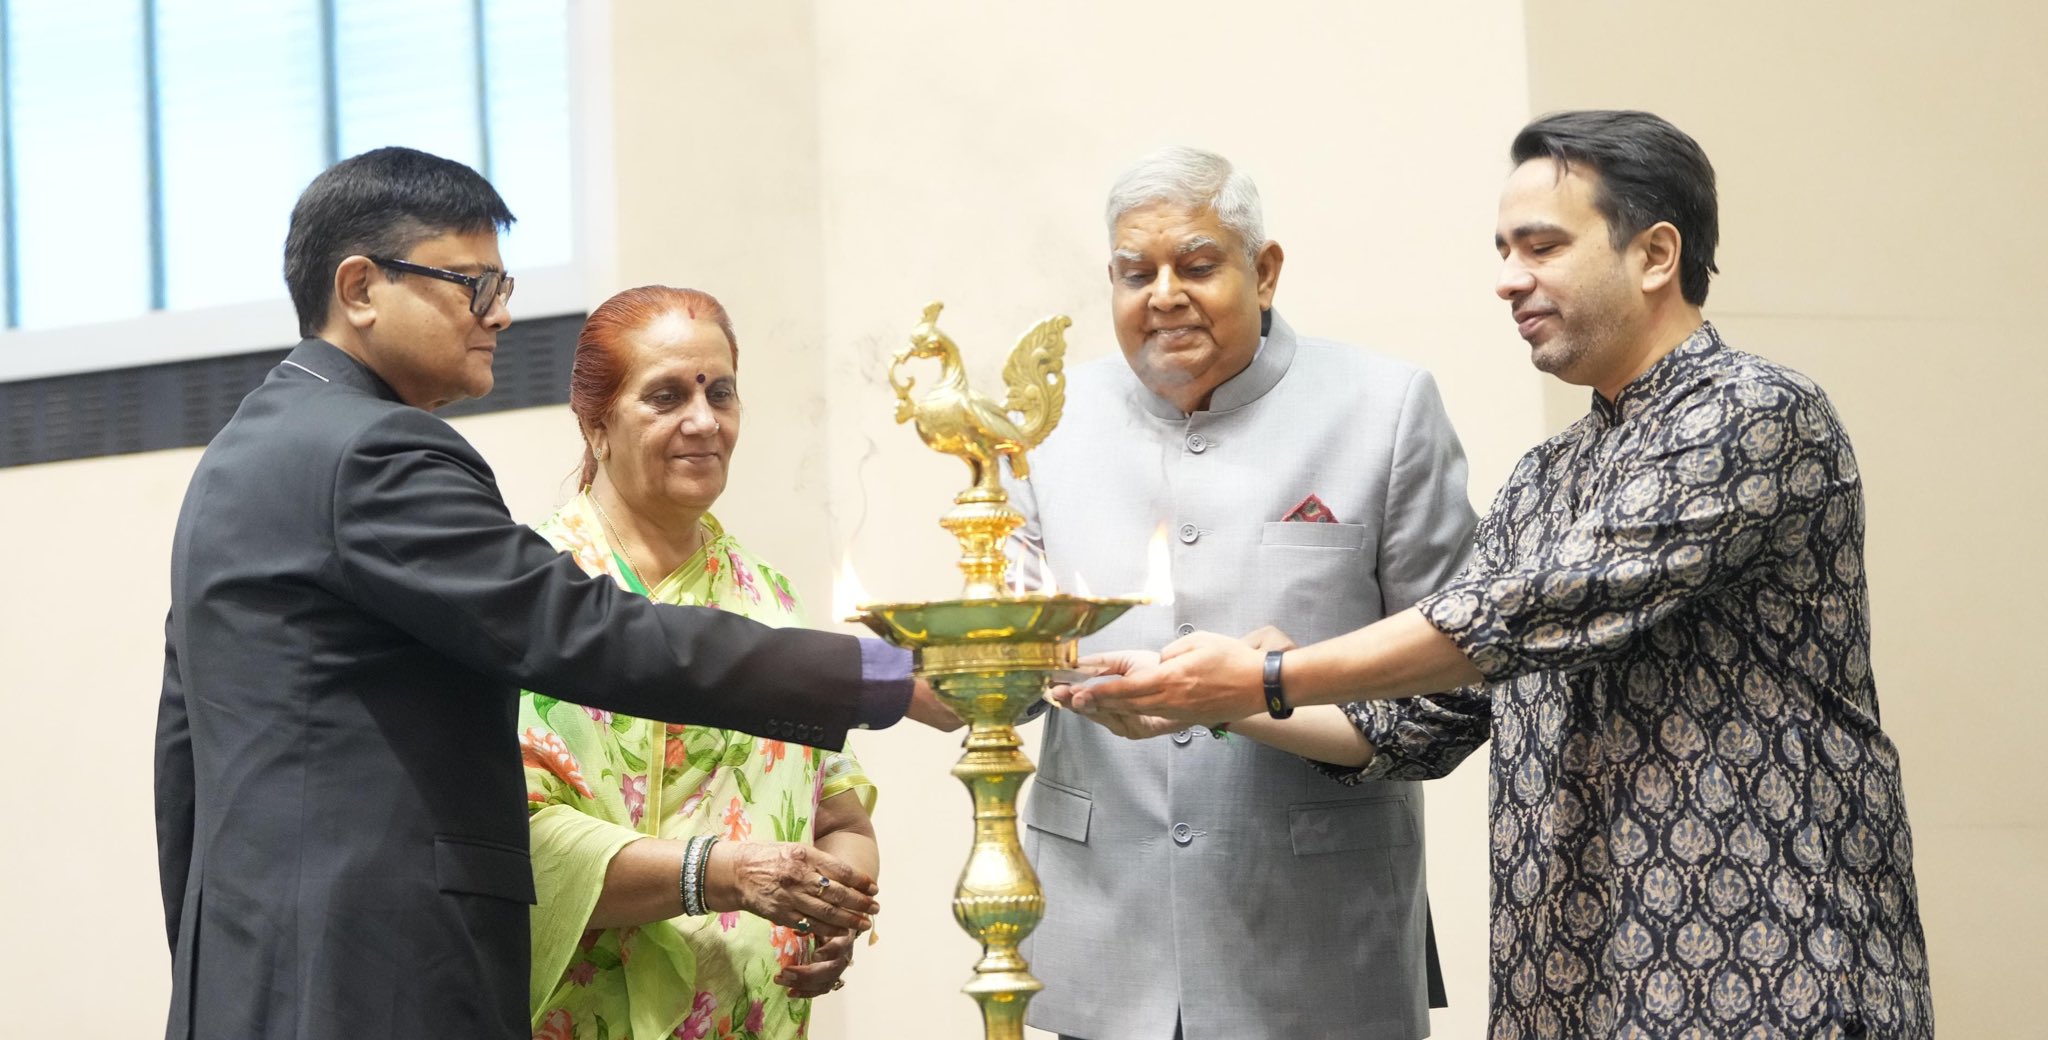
{"points": [[627, 813]]}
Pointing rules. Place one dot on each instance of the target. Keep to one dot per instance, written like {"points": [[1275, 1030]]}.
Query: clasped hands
{"points": [[781, 881], [1199, 678]]}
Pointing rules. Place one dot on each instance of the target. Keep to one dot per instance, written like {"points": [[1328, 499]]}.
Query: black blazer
{"points": [[340, 805]]}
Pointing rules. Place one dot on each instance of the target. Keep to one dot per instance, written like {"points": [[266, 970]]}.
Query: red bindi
{"points": [[700, 379]]}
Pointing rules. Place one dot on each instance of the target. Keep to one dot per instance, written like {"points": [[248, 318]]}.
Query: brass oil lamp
{"points": [[990, 654]]}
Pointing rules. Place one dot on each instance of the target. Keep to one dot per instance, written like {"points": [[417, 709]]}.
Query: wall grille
{"points": [[182, 404]]}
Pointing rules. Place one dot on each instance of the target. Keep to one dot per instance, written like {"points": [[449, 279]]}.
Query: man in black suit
{"points": [[341, 831]]}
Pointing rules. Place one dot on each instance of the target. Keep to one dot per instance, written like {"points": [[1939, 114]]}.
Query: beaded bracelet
{"points": [[696, 861], [683, 885], [696, 855]]}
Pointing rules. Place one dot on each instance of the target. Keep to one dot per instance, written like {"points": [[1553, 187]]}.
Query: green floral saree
{"points": [[597, 781]]}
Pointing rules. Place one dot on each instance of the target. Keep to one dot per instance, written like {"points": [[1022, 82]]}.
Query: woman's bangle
{"points": [[696, 863]]}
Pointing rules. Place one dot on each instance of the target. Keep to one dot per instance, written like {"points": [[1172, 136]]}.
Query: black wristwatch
{"points": [[1276, 698]]}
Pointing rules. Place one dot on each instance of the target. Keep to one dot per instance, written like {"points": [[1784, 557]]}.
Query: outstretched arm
{"points": [[424, 542], [1206, 676], [1321, 733]]}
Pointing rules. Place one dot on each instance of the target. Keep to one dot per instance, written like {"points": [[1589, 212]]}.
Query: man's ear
{"points": [[1267, 266], [1659, 246], [352, 279]]}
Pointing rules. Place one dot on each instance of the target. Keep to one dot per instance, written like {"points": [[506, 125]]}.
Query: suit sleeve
{"points": [[1425, 539], [1426, 522], [174, 789], [423, 540]]}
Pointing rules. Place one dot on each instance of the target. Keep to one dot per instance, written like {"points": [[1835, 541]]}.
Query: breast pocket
{"points": [[1317, 580], [1321, 536], [1058, 810]]}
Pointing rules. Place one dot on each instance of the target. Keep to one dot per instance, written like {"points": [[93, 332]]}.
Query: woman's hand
{"points": [[791, 884], [821, 975]]}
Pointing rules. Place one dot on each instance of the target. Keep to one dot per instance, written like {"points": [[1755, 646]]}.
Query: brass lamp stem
{"points": [[982, 524], [988, 654]]}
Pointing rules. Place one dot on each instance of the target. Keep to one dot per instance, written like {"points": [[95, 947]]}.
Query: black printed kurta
{"points": [[1697, 825]]}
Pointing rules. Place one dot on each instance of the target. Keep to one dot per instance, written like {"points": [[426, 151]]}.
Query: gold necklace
{"points": [[631, 565]]}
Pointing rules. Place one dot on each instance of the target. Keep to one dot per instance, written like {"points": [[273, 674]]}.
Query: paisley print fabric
{"points": [[1697, 827]]}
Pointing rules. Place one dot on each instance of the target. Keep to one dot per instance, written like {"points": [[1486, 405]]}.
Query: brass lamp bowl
{"points": [[989, 659]]}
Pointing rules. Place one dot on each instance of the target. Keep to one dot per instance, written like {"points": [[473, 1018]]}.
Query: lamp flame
{"points": [[847, 591], [1081, 586], [1159, 568]]}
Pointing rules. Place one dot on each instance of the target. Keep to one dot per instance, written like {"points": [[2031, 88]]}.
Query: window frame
{"points": [[183, 335]]}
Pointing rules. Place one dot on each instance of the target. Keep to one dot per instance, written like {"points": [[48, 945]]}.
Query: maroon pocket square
{"points": [[1310, 510]]}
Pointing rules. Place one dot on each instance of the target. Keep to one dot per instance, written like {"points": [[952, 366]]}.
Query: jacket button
{"points": [[1183, 834], [1185, 630], [1183, 737], [1188, 533], [1197, 443]]}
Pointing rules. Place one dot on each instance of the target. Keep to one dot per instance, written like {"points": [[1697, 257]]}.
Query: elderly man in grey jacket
{"points": [[1218, 884]]}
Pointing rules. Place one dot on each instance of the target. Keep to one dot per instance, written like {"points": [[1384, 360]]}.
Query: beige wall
{"points": [[828, 168], [1880, 182], [887, 155], [965, 152]]}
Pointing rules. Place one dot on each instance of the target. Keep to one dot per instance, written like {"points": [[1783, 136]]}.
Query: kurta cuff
{"points": [[1416, 738]]}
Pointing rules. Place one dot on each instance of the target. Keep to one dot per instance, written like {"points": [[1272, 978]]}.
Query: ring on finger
{"points": [[838, 984], [802, 926], [823, 884]]}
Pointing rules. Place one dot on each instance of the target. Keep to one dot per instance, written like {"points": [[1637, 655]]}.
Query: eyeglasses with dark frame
{"points": [[484, 289]]}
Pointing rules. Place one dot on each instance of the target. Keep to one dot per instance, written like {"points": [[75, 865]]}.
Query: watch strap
{"points": [[1276, 696]]}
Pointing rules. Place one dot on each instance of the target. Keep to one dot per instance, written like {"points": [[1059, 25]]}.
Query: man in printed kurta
{"points": [[1697, 829]]}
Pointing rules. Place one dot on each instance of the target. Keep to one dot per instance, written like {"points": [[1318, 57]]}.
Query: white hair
{"points": [[1192, 179]]}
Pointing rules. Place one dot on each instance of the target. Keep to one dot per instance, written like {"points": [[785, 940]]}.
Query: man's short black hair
{"points": [[379, 203], [1649, 171]]}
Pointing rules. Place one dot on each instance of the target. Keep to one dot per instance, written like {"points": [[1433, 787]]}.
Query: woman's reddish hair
{"points": [[598, 375]]}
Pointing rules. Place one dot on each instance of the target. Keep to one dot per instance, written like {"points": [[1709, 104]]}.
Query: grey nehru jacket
{"points": [[1223, 881]]}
